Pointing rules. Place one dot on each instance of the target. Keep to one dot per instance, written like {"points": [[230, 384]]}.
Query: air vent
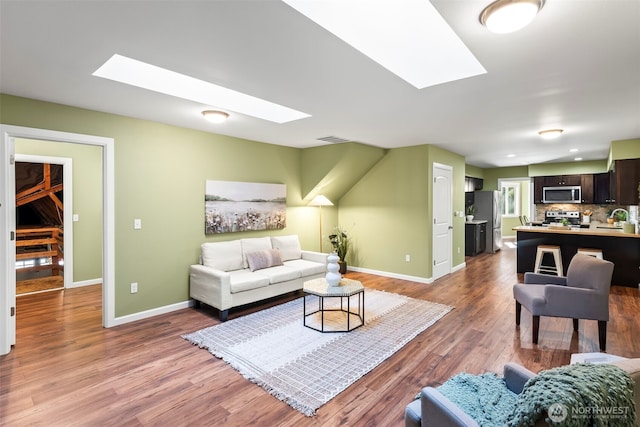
{"points": [[333, 139]]}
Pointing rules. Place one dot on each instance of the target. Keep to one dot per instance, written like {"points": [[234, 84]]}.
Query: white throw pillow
{"points": [[225, 256], [263, 259], [289, 246], [253, 245]]}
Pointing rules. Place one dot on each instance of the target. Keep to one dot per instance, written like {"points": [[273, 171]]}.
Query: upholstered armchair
{"points": [[582, 294]]}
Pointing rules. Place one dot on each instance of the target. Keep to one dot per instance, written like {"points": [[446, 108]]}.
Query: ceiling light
{"points": [[550, 133], [573, 150], [578, 159], [511, 155], [507, 16], [410, 39], [215, 116], [137, 73]]}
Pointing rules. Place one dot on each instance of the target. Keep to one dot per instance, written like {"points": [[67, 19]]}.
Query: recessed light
{"points": [[215, 116], [578, 159], [511, 155], [550, 133], [409, 38], [140, 74], [573, 150], [507, 16]]}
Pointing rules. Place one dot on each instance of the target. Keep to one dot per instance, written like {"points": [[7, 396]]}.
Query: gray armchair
{"points": [[582, 294]]}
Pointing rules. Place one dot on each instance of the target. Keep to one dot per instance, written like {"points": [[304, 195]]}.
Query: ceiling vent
{"points": [[333, 139]]}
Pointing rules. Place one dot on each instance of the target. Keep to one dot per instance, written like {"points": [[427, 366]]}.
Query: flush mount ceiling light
{"points": [[215, 116], [507, 16], [140, 74], [550, 133], [408, 38]]}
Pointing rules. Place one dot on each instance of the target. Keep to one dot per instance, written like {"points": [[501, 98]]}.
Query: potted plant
{"points": [[341, 243], [471, 209]]}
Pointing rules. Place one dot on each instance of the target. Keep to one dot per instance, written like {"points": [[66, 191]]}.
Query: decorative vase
{"points": [[343, 267], [333, 277], [469, 218]]}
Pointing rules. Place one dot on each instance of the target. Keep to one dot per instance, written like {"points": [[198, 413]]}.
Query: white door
{"points": [[442, 218], [7, 247]]}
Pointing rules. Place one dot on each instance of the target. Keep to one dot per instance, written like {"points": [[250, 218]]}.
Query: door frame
{"points": [[7, 222], [67, 215]]}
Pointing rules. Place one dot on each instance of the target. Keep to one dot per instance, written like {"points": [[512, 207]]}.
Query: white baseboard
{"points": [[459, 267], [153, 312], [89, 282], [392, 275]]}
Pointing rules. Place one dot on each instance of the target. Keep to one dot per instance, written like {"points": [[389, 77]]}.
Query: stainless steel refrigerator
{"points": [[489, 207]]}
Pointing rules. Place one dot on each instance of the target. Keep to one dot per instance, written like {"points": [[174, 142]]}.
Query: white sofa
{"points": [[238, 272]]}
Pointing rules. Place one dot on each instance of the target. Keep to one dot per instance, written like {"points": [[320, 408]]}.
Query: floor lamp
{"points": [[320, 201]]}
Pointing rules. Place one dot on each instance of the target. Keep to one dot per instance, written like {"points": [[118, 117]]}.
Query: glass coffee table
{"points": [[330, 315]]}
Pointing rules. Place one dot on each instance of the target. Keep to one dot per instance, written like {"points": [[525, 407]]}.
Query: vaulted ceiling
{"points": [[577, 66]]}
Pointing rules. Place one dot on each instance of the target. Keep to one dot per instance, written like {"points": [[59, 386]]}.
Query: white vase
{"points": [[469, 218], [333, 277]]}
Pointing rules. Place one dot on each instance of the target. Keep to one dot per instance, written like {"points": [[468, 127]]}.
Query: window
{"points": [[510, 198]]}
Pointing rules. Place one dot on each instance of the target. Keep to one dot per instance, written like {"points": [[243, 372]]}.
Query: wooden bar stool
{"points": [[557, 258], [591, 252]]}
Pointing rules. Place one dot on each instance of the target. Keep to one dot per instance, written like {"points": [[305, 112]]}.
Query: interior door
{"points": [[442, 219], [7, 248]]}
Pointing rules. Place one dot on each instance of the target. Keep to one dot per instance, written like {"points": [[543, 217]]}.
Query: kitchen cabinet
{"points": [[561, 180], [475, 237], [627, 179], [473, 184], [601, 188], [538, 183], [586, 182]]}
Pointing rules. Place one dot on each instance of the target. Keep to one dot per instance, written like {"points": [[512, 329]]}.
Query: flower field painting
{"points": [[232, 206]]}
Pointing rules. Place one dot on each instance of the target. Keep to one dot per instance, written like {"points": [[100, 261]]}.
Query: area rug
{"points": [[306, 368]]}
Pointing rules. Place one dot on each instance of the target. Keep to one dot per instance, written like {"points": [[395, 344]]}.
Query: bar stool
{"points": [[591, 252], [557, 258]]}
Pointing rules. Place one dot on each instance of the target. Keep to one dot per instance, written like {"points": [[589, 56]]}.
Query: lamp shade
{"points": [[320, 200]]}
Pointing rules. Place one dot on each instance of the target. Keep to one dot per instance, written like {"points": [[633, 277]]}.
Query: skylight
{"points": [[407, 37], [136, 73]]}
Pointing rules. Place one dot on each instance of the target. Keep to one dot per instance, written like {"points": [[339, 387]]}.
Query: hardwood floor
{"points": [[66, 370]]}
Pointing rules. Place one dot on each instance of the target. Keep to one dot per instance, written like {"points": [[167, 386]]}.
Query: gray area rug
{"points": [[306, 368]]}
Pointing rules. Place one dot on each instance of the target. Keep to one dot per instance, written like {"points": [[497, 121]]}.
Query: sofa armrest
{"points": [[211, 286], [315, 256], [544, 279], [515, 376], [438, 411]]}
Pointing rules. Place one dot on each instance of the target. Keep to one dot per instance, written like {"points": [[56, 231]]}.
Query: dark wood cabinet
{"points": [[586, 182], [561, 180], [627, 179], [538, 183], [473, 184], [601, 188], [475, 238]]}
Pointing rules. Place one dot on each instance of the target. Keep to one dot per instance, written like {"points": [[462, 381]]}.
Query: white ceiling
{"points": [[577, 67]]}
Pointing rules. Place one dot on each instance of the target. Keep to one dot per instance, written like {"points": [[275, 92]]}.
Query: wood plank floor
{"points": [[66, 370], [41, 284]]}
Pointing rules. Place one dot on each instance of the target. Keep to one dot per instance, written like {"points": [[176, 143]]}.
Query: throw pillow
{"points": [[263, 259], [289, 246]]}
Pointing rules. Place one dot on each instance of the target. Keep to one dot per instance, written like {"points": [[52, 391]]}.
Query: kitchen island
{"points": [[623, 249]]}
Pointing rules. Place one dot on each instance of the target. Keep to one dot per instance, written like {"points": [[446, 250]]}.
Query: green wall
{"points": [[87, 201], [160, 174]]}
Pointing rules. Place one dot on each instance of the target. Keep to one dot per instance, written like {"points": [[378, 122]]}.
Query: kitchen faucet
{"points": [[619, 209]]}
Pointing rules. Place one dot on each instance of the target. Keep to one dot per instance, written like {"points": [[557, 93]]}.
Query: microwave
{"points": [[568, 194]]}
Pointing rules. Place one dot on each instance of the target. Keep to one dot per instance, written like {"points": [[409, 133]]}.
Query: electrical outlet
{"points": [[137, 224], [134, 287], [407, 258], [76, 217]]}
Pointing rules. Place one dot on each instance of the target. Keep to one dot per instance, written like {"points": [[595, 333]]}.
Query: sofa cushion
{"points": [[289, 246], [263, 259], [245, 280], [253, 245], [225, 256], [306, 268], [279, 274]]}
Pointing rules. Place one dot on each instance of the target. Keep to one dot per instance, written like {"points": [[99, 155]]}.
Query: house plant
{"points": [[341, 243], [471, 209]]}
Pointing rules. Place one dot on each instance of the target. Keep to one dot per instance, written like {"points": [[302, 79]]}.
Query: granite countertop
{"points": [[601, 229]]}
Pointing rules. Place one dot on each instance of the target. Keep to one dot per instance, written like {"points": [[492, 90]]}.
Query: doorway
{"points": [[44, 232], [7, 223]]}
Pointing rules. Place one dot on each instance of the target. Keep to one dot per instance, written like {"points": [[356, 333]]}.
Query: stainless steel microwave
{"points": [[568, 194]]}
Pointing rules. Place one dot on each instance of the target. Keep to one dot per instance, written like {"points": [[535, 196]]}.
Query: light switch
{"points": [[76, 217], [137, 224]]}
